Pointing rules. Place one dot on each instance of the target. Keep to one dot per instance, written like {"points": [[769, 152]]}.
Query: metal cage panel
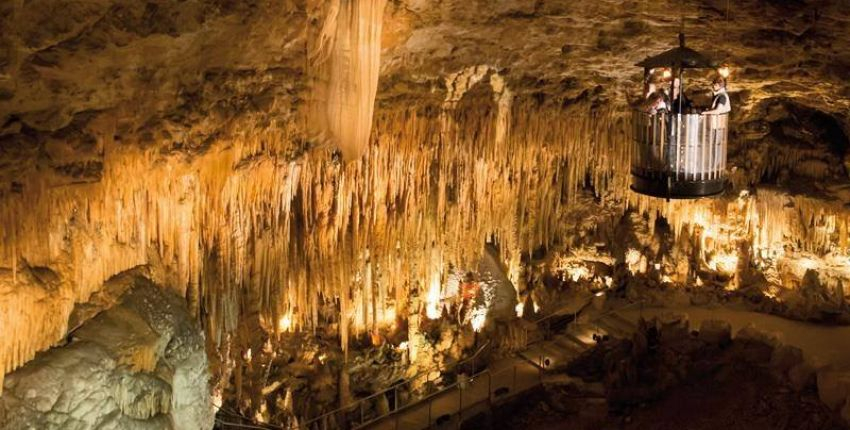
{"points": [[679, 155]]}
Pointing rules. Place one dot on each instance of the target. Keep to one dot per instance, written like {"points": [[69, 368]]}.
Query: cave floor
{"points": [[744, 397], [818, 342], [736, 401]]}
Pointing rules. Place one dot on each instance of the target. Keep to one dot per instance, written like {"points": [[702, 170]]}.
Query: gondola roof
{"points": [[680, 56]]}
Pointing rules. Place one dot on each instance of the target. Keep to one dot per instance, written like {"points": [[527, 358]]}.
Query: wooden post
{"points": [[490, 386], [459, 405]]}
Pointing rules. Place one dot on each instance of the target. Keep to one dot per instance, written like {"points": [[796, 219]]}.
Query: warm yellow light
{"points": [[377, 339], [724, 71], [479, 317], [285, 323], [217, 399], [726, 263], [432, 309], [577, 273], [635, 261], [389, 316], [807, 264], [667, 74], [520, 309]]}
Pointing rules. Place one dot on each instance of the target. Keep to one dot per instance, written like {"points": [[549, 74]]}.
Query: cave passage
{"points": [[412, 214]]}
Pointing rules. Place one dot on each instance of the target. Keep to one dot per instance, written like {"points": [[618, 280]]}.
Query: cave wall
{"points": [[173, 135]]}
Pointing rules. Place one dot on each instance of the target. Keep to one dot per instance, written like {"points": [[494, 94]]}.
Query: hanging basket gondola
{"points": [[678, 154]]}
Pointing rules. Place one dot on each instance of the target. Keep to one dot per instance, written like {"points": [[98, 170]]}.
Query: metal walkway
{"points": [[504, 379]]}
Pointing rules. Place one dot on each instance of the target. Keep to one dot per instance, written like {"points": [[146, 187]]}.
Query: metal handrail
{"points": [[359, 402], [594, 319], [430, 398]]}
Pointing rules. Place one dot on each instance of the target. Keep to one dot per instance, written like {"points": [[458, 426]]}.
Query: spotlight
{"points": [[724, 71]]}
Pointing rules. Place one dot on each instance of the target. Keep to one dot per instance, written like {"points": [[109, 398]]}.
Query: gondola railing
{"points": [[674, 149]]}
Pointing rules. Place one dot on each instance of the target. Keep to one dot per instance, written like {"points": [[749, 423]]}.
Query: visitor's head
{"points": [[718, 84], [655, 98]]}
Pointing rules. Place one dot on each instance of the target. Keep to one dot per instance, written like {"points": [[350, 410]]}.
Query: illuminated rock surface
{"points": [[197, 140], [138, 365]]}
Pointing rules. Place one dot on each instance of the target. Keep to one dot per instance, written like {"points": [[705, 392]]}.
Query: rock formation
{"points": [[140, 364], [334, 168]]}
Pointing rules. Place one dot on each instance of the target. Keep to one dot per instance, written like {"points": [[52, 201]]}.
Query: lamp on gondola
{"points": [[724, 71]]}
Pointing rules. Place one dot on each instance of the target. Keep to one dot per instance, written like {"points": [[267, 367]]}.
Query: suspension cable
{"points": [[725, 25]]}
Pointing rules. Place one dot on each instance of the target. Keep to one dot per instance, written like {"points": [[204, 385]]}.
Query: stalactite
{"points": [[247, 223], [346, 62]]}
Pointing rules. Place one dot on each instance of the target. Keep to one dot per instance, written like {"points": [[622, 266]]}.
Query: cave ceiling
{"points": [[188, 71]]}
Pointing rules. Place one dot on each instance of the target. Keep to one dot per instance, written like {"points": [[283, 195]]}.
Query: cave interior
{"points": [[412, 214]]}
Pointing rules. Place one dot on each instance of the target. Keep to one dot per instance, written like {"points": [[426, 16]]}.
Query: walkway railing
{"points": [[464, 376], [550, 324], [377, 406], [500, 384], [483, 388]]}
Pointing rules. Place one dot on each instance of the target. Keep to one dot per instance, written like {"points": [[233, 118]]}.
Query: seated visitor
{"points": [[656, 103], [720, 104], [657, 100]]}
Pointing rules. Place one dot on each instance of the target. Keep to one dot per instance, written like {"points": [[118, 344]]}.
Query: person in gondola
{"points": [[720, 104], [656, 103], [680, 102], [657, 100]]}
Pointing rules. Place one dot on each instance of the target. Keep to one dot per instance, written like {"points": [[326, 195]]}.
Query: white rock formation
{"points": [[139, 365]]}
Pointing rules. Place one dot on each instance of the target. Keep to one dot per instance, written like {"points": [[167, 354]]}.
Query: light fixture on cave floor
{"points": [[681, 154]]}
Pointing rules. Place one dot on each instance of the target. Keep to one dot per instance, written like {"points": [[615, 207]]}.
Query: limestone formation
{"points": [[371, 173], [138, 365]]}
